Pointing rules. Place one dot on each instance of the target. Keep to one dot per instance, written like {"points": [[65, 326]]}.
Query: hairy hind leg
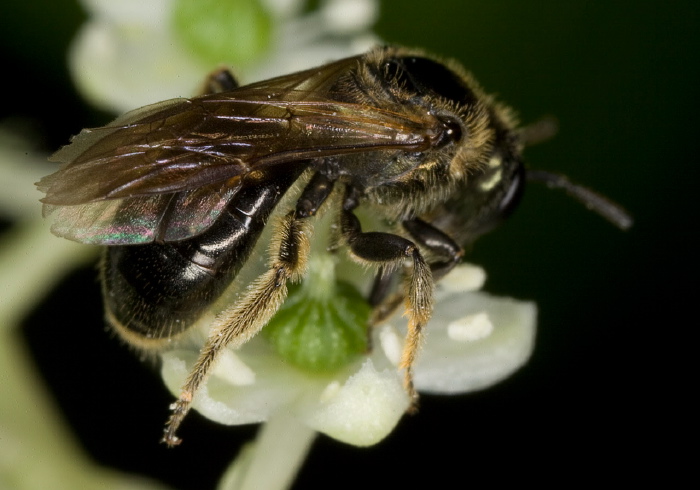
{"points": [[236, 325]]}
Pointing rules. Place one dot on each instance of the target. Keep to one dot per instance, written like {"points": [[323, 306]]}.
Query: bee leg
{"points": [[236, 325], [314, 195], [382, 302], [220, 80], [391, 251], [381, 287], [439, 243], [427, 236], [381, 307]]}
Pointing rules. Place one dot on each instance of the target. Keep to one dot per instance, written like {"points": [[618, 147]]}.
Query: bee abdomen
{"points": [[156, 291]]}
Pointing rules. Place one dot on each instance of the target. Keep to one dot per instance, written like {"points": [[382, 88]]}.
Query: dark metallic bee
{"points": [[180, 192]]}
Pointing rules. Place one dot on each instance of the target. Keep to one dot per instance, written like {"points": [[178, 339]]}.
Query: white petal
{"points": [[19, 169], [391, 342], [362, 411], [448, 366], [345, 16], [120, 66], [465, 277], [230, 404], [123, 11], [291, 58], [470, 328], [232, 369]]}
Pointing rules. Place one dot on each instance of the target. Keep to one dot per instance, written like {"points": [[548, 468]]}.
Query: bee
{"points": [[180, 191]]}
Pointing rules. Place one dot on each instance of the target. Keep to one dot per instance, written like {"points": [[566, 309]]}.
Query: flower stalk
{"points": [[274, 459]]}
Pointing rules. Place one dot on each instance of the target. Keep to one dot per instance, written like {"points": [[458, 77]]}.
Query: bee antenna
{"points": [[606, 208], [540, 131]]}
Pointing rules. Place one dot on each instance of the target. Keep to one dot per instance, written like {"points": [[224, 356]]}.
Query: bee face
{"points": [[477, 142], [180, 192]]}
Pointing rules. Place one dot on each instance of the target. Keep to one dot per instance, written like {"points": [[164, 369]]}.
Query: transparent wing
{"points": [[141, 219], [166, 171]]}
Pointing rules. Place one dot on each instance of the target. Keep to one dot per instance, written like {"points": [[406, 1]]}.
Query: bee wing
{"points": [[141, 219], [186, 158]]}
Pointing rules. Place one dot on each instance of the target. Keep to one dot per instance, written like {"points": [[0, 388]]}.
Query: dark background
{"points": [[599, 392]]}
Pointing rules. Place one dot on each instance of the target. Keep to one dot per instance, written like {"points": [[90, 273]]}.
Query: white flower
{"points": [[132, 53], [361, 403]]}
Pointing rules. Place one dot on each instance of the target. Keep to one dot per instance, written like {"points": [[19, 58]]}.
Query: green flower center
{"points": [[232, 32], [322, 326]]}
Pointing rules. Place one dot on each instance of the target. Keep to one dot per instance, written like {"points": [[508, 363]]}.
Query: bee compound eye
{"points": [[395, 71], [430, 75], [451, 131]]}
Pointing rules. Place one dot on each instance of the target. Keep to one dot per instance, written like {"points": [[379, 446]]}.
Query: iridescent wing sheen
{"points": [[165, 171], [141, 219]]}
